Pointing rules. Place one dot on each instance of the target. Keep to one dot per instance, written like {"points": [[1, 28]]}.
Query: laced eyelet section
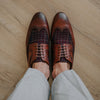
{"points": [[64, 50], [62, 45], [38, 46], [39, 51]]}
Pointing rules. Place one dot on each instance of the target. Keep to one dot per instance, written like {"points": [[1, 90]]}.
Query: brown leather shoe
{"points": [[63, 42], [37, 40]]}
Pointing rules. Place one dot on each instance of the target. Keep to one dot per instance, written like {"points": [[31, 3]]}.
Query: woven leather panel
{"points": [[61, 37], [39, 36]]}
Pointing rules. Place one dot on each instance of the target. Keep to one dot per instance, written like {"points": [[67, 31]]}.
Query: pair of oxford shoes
{"points": [[62, 39]]}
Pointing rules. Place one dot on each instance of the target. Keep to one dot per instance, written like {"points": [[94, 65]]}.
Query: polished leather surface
{"points": [[63, 43], [37, 40]]}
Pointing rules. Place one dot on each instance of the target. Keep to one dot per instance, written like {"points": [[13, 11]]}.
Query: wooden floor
{"points": [[15, 16]]}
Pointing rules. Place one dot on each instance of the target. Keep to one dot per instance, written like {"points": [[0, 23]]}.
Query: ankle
{"points": [[59, 68], [42, 67]]}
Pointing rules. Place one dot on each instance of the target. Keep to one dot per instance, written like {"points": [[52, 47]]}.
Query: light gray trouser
{"points": [[66, 86]]}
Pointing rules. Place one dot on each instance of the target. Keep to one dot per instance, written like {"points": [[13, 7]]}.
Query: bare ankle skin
{"points": [[59, 68], [42, 67]]}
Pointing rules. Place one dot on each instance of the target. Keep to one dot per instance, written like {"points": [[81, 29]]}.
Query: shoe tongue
{"points": [[63, 59], [38, 59]]}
